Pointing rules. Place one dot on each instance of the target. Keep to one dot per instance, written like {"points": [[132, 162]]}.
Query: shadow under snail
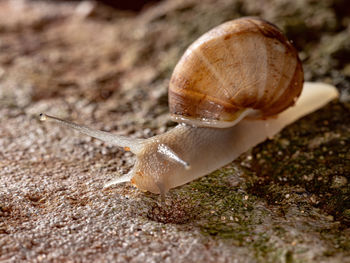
{"points": [[232, 89]]}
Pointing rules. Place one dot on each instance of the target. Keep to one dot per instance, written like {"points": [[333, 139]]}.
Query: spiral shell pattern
{"points": [[242, 64]]}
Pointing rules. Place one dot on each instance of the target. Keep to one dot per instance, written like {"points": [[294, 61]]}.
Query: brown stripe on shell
{"points": [[268, 29], [278, 77], [274, 36], [290, 95], [191, 104], [290, 79]]}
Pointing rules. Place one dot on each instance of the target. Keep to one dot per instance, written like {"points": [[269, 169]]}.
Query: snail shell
{"points": [[239, 68]]}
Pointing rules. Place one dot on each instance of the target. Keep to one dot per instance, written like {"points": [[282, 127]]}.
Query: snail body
{"points": [[239, 114], [204, 149]]}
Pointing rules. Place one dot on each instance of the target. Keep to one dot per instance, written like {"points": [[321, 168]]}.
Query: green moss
{"points": [[222, 210], [339, 240], [316, 161], [228, 212]]}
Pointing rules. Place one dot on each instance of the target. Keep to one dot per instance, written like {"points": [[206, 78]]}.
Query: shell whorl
{"points": [[242, 64]]}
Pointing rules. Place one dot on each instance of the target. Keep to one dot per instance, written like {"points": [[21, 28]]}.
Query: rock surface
{"points": [[287, 200]]}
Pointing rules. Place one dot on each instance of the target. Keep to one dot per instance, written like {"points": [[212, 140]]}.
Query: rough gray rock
{"points": [[287, 200]]}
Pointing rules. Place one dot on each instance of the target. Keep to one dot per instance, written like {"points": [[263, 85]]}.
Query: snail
{"points": [[234, 87]]}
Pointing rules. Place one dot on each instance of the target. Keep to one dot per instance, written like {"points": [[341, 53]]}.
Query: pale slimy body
{"points": [[207, 149]]}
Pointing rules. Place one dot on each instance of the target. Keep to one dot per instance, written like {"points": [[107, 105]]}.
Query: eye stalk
{"points": [[130, 144]]}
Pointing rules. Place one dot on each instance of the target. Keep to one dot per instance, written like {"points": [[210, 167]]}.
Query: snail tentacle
{"points": [[172, 156], [129, 144], [124, 178], [162, 190]]}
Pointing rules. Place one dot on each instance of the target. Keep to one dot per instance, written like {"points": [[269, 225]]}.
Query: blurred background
{"points": [[121, 51], [107, 64]]}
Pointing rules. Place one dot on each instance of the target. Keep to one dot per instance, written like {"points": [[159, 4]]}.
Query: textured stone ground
{"points": [[286, 200]]}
